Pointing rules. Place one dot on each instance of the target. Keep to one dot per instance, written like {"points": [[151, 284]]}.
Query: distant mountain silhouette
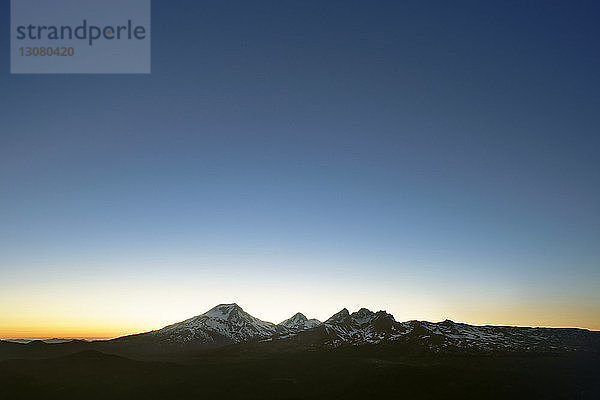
{"points": [[229, 325]]}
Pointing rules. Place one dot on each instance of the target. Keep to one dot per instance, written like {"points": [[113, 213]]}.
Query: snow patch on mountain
{"points": [[338, 317], [299, 322], [229, 324], [225, 323]]}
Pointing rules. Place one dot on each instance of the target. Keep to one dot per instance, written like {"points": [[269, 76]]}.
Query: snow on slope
{"points": [[299, 322], [223, 324], [229, 324], [365, 326]]}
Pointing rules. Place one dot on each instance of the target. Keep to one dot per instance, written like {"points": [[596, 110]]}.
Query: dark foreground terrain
{"points": [[356, 372], [227, 353]]}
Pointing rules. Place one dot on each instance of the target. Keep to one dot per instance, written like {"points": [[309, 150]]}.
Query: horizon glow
{"points": [[437, 161]]}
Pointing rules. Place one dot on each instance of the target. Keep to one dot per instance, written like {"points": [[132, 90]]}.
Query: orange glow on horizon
{"points": [[47, 331], [86, 311]]}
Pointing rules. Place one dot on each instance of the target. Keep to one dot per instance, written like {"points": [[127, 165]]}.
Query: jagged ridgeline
{"points": [[229, 325]]}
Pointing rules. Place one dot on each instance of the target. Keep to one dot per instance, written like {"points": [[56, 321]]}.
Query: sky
{"points": [[438, 160]]}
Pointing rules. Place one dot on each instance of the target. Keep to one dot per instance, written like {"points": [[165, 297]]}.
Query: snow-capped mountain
{"points": [[228, 320], [221, 325], [299, 322], [338, 317], [362, 326]]}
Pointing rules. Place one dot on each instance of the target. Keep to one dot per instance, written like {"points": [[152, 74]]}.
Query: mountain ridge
{"points": [[229, 325]]}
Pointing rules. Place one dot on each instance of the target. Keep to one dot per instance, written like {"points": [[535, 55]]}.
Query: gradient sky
{"points": [[434, 159]]}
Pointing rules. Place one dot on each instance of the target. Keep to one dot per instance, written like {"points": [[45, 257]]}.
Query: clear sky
{"points": [[434, 159]]}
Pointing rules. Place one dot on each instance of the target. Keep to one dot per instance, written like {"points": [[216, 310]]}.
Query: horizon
{"points": [[93, 338], [437, 160]]}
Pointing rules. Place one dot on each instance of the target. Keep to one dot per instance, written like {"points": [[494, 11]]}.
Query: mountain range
{"points": [[226, 353], [229, 325]]}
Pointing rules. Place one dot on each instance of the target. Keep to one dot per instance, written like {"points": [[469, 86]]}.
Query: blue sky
{"points": [[416, 156]]}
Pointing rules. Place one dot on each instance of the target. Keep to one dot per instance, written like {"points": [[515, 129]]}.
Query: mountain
{"points": [[299, 322], [345, 329], [449, 336], [222, 325], [338, 317], [362, 326], [367, 327], [52, 340]]}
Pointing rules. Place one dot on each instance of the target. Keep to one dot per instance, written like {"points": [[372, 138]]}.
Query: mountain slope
{"points": [[222, 325], [299, 322], [368, 327]]}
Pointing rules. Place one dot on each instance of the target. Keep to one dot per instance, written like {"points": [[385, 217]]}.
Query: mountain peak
{"points": [[296, 319], [448, 321], [300, 316], [223, 311], [228, 306], [362, 316], [338, 317], [299, 321], [222, 324]]}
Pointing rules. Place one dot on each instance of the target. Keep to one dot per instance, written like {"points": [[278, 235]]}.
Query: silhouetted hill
{"points": [[358, 372]]}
